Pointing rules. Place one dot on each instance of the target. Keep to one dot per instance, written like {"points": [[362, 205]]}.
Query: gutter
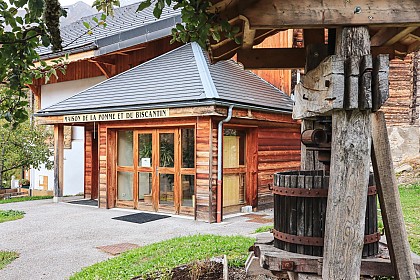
{"points": [[219, 205]]}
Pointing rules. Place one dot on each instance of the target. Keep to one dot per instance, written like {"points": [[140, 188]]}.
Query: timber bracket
{"points": [[338, 83]]}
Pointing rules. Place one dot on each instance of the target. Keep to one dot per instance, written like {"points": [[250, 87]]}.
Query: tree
{"points": [[23, 146], [20, 36]]}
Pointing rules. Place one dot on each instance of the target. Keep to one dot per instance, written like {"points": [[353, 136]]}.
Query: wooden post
{"points": [[389, 199], [314, 39], [349, 177], [58, 161]]}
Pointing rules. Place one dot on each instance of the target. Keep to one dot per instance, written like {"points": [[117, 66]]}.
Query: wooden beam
{"points": [[58, 161], [313, 36], [349, 175], [321, 90], [272, 58], [389, 199], [249, 34], [286, 58], [332, 13], [103, 69], [391, 35]]}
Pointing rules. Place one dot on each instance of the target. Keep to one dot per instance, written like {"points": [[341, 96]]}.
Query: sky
{"points": [[70, 2]]}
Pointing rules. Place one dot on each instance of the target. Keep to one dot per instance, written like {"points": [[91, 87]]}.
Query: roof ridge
{"points": [[204, 71]]}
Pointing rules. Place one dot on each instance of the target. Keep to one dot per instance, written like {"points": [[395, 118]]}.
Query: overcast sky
{"points": [[69, 2]]}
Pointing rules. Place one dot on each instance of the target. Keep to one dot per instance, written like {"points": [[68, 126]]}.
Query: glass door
{"points": [[125, 168], [146, 164], [166, 170]]}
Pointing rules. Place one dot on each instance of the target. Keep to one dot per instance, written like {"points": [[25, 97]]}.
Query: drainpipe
{"points": [[219, 208]]}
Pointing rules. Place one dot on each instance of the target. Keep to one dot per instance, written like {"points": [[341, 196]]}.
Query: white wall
{"points": [[74, 157]]}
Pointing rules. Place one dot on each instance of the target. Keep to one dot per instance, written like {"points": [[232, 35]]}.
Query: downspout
{"points": [[219, 209]]}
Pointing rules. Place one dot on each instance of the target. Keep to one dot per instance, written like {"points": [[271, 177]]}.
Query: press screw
{"points": [[357, 10]]}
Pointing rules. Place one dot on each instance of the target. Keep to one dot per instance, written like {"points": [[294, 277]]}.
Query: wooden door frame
{"points": [[151, 169], [168, 170], [251, 161]]}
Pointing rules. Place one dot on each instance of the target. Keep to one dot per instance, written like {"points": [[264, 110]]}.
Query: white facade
{"points": [[73, 157]]}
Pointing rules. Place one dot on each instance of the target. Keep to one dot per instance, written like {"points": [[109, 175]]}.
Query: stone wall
{"points": [[402, 108]]}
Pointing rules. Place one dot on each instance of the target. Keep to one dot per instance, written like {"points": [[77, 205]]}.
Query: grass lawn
{"points": [[10, 215], [163, 256], [6, 258], [264, 229], [410, 200], [25, 198]]}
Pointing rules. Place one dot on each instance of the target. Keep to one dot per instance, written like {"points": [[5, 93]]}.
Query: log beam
{"points": [[349, 177], [287, 58], [58, 161], [389, 199], [332, 13]]}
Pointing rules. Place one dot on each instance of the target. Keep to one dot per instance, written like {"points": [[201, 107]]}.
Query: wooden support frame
{"points": [[287, 58], [349, 177], [389, 199], [330, 13], [58, 161]]}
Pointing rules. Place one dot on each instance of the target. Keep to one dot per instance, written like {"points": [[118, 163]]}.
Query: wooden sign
{"points": [[117, 116]]}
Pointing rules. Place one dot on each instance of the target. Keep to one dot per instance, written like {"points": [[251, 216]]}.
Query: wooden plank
{"points": [[320, 90], [389, 199], [349, 176], [272, 58], [309, 183], [365, 83], [332, 13], [390, 35], [300, 223], [58, 161], [285, 58], [351, 87], [380, 81]]}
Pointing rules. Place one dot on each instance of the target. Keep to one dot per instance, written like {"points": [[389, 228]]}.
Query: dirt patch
{"points": [[408, 171], [204, 270]]}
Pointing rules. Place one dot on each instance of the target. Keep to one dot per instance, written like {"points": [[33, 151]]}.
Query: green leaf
{"points": [[103, 17], [216, 36], [143, 5], [157, 12], [19, 20], [168, 2], [95, 19], [45, 41], [86, 24]]}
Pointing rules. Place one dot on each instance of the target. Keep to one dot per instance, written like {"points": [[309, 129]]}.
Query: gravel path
{"points": [[57, 239]]}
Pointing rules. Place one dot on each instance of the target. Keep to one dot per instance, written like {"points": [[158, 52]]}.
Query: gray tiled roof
{"points": [[182, 77], [125, 21]]}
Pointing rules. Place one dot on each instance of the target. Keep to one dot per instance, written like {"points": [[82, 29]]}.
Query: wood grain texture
{"points": [[58, 160], [320, 90], [389, 199], [380, 81], [349, 177], [331, 13], [346, 205]]}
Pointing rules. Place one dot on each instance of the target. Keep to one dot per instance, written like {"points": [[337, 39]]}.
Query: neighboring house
{"points": [[153, 133], [402, 108], [129, 39]]}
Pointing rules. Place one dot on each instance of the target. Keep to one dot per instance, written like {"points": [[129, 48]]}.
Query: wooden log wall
{"points": [[91, 164], [402, 107], [205, 190], [103, 167], [88, 164], [278, 150], [279, 78]]}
